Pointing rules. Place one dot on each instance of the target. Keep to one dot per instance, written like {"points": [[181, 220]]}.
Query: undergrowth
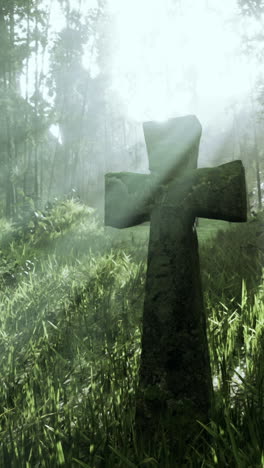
{"points": [[71, 301]]}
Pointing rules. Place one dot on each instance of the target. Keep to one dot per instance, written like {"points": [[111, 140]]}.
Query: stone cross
{"points": [[175, 385]]}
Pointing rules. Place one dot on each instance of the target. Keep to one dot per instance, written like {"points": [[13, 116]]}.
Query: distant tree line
{"points": [[58, 90], [35, 166]]}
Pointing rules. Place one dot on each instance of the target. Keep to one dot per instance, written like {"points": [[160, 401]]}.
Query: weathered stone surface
{"points": [[217, 193], [127, 198], [175, 378], [173, 145], [175, 387]]}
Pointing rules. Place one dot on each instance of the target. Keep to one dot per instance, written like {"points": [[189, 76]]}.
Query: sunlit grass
{"points": [[70, 346]]}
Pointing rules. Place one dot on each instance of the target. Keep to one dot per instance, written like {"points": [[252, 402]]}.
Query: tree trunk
{"points": [[36, 162], [9, 189], [258, 179]]}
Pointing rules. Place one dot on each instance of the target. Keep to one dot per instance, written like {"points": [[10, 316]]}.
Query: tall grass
{"points": [[71, 304]]}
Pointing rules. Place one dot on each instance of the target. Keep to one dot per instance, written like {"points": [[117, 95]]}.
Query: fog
{"points": [[151, 60]]}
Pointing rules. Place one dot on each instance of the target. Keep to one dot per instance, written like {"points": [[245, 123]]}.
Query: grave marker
{"points": [[175, 385]]}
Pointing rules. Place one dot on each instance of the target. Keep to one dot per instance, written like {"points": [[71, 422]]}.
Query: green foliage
{"points": [[70, 347], [230, 265], [63, 227], [71, 362]]}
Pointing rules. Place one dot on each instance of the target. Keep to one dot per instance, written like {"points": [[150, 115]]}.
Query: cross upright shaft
{"points": [[175, 386]]}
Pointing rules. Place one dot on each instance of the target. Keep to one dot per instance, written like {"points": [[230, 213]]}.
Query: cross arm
{"points": [[128, 198], [220, 192], [216, 193]]}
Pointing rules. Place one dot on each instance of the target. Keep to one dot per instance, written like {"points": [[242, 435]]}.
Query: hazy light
{"points": [[174, 58], [55, 130], [83, 5], [57, 23], [89, 58], [57, 18]]}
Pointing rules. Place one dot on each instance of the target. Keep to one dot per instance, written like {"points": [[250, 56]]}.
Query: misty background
{"points": [[78, 78]]}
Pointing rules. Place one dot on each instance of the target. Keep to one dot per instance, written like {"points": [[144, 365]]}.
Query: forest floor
{"points": [[71, 301]]}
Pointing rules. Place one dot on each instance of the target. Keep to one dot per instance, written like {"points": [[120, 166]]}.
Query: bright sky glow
{"points": [[89, 59], [57, 23], [178, 57], [89, 56], [170, 57], [55, 130]]}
